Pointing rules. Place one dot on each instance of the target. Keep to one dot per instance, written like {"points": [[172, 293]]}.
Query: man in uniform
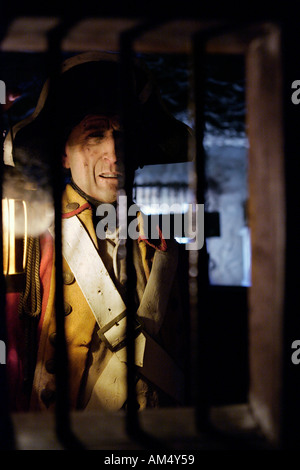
{"points": [[88, 133]]}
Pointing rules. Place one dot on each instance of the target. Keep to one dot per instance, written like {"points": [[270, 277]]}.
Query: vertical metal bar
{"points": [[6, 427], [200, 319], [129, 147], [6, 431], [201, 364], [62, 410], [61, 361], [129, 109]]}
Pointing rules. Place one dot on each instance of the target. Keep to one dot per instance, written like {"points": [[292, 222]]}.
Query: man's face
{"points": [[90, 154]]}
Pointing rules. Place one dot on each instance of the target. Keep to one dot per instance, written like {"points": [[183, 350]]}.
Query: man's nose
{"points": [[112, 156], [109, 152]]}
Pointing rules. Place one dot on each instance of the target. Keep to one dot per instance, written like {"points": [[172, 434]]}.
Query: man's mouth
{"points": [[109, 175]]}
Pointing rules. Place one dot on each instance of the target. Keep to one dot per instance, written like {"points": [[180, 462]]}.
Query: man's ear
{"points": [[65, 160]]}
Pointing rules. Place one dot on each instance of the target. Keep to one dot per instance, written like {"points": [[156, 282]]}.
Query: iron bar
{"points": [[203, 339], [200, 312], [6, 426], [129, 117], [62, 409]]}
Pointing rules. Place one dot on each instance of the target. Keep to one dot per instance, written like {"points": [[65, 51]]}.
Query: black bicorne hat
{"points": [[89, 83]]}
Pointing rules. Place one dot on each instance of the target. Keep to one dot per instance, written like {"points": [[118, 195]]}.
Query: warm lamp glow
{"points": [[14, 215]]}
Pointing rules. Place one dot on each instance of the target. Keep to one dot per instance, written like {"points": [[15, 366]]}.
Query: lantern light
{"points": [[15, 238], [27, 213]]}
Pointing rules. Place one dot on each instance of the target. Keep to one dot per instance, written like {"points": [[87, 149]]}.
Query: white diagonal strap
{"points": [[94, 281]]}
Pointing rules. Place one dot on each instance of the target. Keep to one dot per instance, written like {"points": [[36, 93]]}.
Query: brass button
{"points": [[68, 277], [72, 206], [50, 366], [68, 308], [52, 338], [48, 396]]}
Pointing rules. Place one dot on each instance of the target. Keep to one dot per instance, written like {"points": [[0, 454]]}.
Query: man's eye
{"points": [[98, 134], [95, 137]]}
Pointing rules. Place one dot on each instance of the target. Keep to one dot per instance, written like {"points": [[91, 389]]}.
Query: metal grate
{"points": [[198, 260], [62, 413]]}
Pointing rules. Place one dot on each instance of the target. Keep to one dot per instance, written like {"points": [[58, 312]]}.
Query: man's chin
{"points": [[107, 197]]}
